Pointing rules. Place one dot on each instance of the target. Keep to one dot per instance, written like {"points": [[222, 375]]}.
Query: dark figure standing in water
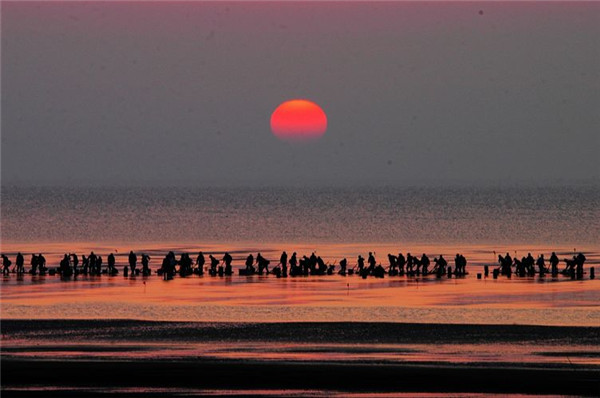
{"points": [[42, 264], [250, 265], [145, 264], [554, 263], [530, 264], [165, 266], [85, 263], [312, 263], [457, 264], [185, 265], [360, 263], [409, 263], [64, 267], [425, 264], [75, 259], [34, 264], [214, 263], [372, 262], [227, 259], [579, 261], [392, 260], [294, 269], [304, 265], [6, 265], [99, 265], [460, 264], [401, 262], [132, 262], [20, 263], [283, 262], [343, 265], [263, 264], [509, 262], [541, 264], [200, 263], [171, 264], [92, 261], [321, 267], [505, 264], [110, 262], [519, 266], [440, 266]]}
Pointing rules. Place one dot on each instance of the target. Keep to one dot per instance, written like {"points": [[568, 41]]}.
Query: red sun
{"points": [[298, 120]]}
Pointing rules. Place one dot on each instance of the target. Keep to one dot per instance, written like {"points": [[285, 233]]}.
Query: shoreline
{"points": [[257, 375], [50, 373], [310, 332]]}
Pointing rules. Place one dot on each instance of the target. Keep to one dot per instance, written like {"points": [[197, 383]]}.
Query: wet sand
{"points": [[55, 374]]}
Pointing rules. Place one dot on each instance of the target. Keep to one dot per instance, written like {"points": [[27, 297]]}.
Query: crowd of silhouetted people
{"points": [[294, 265], [529, 266]]}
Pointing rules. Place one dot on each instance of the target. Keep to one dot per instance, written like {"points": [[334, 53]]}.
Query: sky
{"points": [[415, 93]]}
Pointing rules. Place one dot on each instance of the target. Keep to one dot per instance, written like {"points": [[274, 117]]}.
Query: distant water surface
{"points": [[461, 216]]}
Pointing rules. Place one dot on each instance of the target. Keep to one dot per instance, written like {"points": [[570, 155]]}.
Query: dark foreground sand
{"points": [[70, 377]]}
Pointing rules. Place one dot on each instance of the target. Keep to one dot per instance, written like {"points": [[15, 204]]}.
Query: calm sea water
{"points": [[439, 216], [334, 222]]}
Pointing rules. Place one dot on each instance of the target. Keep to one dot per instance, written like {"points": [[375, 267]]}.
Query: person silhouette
{"points": [[64, 267], [410, 260], [425, 264], [283, 262], [263, 264], [85, 263], [343, 265], [579, 261], [42, 264], [440, 266], [392, 260], [554, 261], [400, 262], [372, 262], [132, 262], [20, 263], [145, 264], [99, 265], [227, 259], [110, 261], [360, 263], [250, 270], [92, 260], [321, 267], [6, 265], [294, 269], [541, 264], [200, 263], [312, 263], [213, 265], [34, 264], [75, 260], [185, 265]]}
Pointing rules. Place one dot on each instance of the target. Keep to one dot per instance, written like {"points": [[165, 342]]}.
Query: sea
{"points": [[421, 322], [335, 223]]}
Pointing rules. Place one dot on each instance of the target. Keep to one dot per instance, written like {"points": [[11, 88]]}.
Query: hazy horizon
{"points": [[429, 94]]}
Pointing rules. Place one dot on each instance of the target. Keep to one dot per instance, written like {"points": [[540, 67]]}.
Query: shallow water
{"points": [[530, 300], [335, 223]]}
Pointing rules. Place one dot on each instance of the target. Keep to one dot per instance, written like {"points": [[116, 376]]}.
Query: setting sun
{"points": [[298, 120]]}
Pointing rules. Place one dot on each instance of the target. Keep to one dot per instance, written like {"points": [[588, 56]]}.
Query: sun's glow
{"points": [[298, 120]]}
